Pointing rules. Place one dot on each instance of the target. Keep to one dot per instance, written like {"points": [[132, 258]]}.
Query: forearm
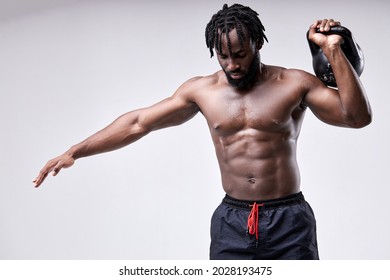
{"points": [[353, 98], [123, 131]]}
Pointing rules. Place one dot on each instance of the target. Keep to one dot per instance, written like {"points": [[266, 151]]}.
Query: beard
{"points": [[249, 78]]}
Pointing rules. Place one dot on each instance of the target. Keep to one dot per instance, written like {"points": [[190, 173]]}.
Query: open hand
{"points": [[55, 165]]}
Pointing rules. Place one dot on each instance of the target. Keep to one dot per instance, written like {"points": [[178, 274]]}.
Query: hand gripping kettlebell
{"points": [[351, 49]]}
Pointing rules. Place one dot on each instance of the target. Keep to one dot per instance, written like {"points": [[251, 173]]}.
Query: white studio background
{"points": [[69, 68]]}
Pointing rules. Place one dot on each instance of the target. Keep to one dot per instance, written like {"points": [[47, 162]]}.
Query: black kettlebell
{"points": [[351, 49]]}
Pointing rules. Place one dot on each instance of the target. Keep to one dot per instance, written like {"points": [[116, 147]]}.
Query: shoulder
{"points": [[292, 74], [193, 87], [297, 78], [202, 81], [298, 84]]}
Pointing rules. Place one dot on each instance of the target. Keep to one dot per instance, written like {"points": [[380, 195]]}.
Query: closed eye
{"points": [[222, 56], [239, 55]]}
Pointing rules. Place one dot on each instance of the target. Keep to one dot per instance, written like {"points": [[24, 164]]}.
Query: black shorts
{"points": [[278, 229]]}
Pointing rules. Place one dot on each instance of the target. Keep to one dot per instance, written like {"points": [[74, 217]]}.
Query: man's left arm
{"points": [[348, 105]]}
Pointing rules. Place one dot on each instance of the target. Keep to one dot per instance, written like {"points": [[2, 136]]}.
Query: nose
{"points": [[233, 65]]}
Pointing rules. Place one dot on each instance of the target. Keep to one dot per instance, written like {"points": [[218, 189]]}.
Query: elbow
{"points": [[135, 125], [360, 121], [140, 128]]}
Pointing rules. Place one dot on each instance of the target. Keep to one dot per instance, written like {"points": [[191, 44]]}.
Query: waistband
{"points": [[266, 204]]}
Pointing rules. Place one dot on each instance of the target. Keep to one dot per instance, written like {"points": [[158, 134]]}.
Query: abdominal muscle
{"points": [[258, 166]]}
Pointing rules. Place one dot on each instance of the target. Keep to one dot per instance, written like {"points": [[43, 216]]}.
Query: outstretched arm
{"points": [[126, 129], [348, 105]]}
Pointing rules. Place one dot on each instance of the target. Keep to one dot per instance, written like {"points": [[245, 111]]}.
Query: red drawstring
{"points": [[253, 220]]}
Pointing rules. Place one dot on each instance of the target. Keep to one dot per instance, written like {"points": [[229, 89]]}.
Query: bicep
{"points": [[171, 111], [324, 102]]}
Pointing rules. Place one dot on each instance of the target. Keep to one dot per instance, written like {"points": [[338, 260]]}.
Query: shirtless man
{"points": [[254, 112]]}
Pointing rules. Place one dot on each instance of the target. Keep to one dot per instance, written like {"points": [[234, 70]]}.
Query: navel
{"points": [[252, 180]]}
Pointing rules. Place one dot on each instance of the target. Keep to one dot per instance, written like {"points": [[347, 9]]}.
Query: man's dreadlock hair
{"points": [[236, 16]]}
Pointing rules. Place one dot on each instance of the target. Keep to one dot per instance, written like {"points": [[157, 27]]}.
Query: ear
{"points": [[259, 44]]}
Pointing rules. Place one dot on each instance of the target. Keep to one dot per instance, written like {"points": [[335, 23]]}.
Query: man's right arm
{"points": [[127, 129]]}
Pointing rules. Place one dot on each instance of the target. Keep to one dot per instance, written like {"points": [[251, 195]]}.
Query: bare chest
{"points": [[263, 110]]}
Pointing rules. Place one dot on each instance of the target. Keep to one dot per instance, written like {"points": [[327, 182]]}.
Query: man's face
{"points": [[242, 64]]}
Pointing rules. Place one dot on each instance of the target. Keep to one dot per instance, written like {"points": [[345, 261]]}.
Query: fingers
{"points": [[325, 24], [321, 26], [39, 180], [53, 166], [44, 172]]}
